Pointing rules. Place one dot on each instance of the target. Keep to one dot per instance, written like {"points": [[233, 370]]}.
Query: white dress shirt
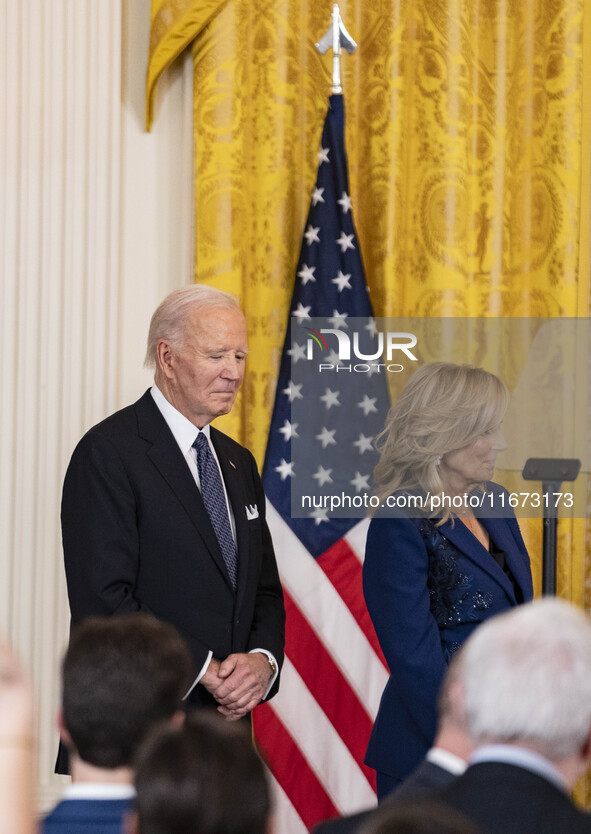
{"points": [[98, 790], [446, 760]]}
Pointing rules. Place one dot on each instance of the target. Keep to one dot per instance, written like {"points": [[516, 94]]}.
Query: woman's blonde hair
{"points": [[442, 407]]}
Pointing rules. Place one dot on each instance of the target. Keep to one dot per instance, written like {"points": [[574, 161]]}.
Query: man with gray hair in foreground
{"points": [[527, 698]]}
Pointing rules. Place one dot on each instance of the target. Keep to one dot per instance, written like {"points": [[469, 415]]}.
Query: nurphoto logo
{"points": [[391, 343]]}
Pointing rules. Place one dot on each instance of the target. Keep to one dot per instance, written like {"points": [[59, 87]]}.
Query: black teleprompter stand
{"points": [[551, 472]]}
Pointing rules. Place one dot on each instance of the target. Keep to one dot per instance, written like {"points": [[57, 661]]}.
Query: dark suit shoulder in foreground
{"points": [[426, 778], [507, 799]]}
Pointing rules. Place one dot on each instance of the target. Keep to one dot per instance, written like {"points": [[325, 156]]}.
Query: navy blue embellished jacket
{"points": [[426, 589]]}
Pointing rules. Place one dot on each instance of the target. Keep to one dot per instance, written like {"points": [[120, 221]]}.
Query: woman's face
{"points": [[462, 469]]}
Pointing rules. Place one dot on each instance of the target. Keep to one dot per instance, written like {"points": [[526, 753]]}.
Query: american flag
{"points": [[315, 731]]}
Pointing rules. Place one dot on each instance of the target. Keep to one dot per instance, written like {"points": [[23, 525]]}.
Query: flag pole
{"points": [[335, 38], [314, 732]]}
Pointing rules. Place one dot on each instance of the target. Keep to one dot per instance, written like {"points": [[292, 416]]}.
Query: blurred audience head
{"points": [[120, 676], [426, 816], [527, 680], [204, 776]]}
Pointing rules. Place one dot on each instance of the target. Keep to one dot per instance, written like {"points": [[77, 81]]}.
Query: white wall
{"points": [[95, 228]]}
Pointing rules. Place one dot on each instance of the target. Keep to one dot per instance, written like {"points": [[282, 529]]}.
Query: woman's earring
{"points": [[437, 460]]}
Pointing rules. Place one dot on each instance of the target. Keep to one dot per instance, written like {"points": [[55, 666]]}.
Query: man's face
{"points": [[205, 373]]}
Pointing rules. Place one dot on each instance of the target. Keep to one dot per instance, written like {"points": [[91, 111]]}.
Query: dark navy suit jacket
{"points": [[86, 816], [427, 588]]}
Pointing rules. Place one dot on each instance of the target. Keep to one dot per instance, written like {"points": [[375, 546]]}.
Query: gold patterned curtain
{"points": [[468, 128], [467, 143]]}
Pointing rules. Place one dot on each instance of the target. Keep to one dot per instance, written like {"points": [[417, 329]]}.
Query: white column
{"points": [[95, 228]]}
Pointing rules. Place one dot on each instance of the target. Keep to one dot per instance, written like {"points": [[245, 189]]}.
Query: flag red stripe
{"points": [[290, 768], [344, 570], [326, 683]]}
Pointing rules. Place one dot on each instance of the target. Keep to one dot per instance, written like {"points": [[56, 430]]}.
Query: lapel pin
{"points": [[232, 464]]}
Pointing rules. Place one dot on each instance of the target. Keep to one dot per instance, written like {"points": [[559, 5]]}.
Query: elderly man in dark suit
{"points": [[527, 699], [162, 513]]}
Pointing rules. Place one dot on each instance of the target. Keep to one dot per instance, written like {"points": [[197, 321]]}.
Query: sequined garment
{"points": [[454, 599]]}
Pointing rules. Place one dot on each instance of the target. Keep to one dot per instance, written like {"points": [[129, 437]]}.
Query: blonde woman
{"points": [[444, 553]]}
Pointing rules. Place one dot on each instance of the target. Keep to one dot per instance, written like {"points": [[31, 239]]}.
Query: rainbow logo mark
{"points": [[318, 338]]}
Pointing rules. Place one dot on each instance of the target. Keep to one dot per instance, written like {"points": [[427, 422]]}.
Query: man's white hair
{"points": [[168, 321], [527, 678]]}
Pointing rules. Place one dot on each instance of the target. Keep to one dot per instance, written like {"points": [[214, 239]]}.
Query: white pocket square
{"points": [[252, 512]]}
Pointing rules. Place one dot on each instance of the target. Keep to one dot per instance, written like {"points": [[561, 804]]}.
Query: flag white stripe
{"points": [[356, 537], [322, 747], [286, 819], [328, 615]]}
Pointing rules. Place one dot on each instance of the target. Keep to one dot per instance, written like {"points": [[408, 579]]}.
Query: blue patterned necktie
{"points": [[212, 492]]}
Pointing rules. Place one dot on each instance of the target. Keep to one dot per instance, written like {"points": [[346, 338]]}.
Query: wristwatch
{"points": [[272, 664]]}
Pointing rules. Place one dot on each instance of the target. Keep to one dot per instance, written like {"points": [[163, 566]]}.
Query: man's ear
{"points": [[164, 358], [65, 736], [455, 695]]}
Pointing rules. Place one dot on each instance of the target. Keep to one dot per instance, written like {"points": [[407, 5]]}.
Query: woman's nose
{"points": [[499, 442]]}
